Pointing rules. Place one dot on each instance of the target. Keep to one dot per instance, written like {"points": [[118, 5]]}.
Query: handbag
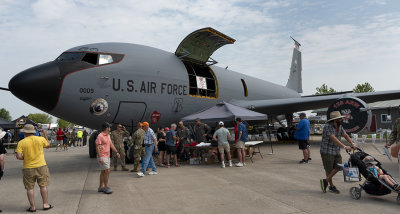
{"points": [[351, 174]]}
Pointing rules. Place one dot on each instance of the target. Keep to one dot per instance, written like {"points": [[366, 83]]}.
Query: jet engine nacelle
{"points": [[356, 114]]}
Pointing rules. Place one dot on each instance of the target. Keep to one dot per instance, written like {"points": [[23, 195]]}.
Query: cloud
{"points": [[338, 52]]}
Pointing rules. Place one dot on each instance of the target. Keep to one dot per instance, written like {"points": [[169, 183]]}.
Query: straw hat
{"points": [[29, 128], [2, 133], [335, 115]]}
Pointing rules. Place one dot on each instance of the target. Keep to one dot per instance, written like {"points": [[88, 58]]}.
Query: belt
{"points": [[147, 145]]}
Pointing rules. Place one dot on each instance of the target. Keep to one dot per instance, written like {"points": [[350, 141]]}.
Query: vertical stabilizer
{"points": [[294, 81]]}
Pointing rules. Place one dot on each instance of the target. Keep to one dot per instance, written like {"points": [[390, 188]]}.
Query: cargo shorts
{"points": [[41, 175], [331, 162]]}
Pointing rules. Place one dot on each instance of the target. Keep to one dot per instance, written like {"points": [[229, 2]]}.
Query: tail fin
{"points": [[294, 81]]}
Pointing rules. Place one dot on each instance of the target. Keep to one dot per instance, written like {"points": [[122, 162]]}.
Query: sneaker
{"points": [[107, 190], [244, 164], [100, 189], [303, 161], [223, 166], [140, 174], [324, 184], [230, 164], [153, 173], [309, 159], [334, 190], [239, 164]]}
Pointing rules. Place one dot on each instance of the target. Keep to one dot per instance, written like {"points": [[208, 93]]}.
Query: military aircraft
{"points": [[126, 83]]}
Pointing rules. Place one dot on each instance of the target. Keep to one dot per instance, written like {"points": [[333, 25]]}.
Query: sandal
{"points": [[29, 210], [177, 165], [50, 206]]}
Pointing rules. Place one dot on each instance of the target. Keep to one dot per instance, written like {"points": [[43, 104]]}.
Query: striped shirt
{"points": [[149, 137], [327, 145]]}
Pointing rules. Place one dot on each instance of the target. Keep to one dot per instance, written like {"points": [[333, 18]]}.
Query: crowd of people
{"points": [[169, 143]]}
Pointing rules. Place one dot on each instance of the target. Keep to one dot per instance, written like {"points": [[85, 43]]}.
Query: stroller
{"points": [[372, 185]]}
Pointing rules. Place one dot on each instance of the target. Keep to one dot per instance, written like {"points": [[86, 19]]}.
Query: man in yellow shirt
{"points": [[35, 169]]}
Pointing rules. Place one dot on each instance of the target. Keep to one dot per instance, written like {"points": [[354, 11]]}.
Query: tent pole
{"points": [[270, 139]]}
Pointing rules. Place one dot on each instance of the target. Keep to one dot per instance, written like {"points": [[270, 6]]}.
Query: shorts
{"points": [[161, 146], [41, 175], [240, 144], [331, 162], [222, 148], [106, 163], [171, 150], [303, 144]]}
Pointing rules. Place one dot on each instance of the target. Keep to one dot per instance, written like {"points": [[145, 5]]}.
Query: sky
{"points": [[343, 43]]}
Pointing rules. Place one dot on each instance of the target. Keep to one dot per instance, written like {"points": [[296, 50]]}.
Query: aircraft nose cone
{"points": [[38, 86]]}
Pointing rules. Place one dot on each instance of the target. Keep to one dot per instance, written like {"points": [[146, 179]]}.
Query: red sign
{"points": [[155, 117]]}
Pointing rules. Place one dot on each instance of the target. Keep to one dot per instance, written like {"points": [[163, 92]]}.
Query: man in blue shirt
{"points": [[170, 141], [302, 135], [240, 141]]}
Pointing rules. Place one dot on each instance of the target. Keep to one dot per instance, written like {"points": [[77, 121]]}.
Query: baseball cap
{"points": [[221, 123], [145, 124]]}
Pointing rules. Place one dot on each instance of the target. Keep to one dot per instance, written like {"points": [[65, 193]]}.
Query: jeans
{"points": [[148, 159]]}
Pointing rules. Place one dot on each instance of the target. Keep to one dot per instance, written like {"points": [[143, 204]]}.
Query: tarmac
{"points": [[272, 184]]}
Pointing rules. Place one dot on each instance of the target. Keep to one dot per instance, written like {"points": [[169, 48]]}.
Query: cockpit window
{"points": [[105, 59], [90, 58], [70, 56]]}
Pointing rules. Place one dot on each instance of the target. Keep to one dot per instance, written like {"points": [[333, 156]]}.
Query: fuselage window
{"points": [[90, 58], [202, 81], [244, 87], [105, 59]]}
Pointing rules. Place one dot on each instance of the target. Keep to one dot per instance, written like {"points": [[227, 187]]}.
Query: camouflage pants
{"points": [[121, 151], [137, 155]]}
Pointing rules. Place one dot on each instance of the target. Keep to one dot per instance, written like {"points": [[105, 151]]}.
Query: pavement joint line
{"points": [[83, 189]]}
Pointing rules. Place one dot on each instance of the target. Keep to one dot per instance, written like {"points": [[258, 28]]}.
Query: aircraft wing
{"points": [[290, 105]]}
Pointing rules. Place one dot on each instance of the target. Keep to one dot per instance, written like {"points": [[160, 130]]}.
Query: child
{"points": [[371, 166]]}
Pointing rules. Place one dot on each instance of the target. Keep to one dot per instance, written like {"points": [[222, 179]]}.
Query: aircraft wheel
{"points": [[92, 144], [355, 193]]}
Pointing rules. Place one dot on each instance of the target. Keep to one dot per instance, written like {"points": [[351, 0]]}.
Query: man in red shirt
{"points": [[103, 145], [60, 138]]}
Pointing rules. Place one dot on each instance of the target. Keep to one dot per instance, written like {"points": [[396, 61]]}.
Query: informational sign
{"points": [[21, 122], [354, 110], [201, 82]]}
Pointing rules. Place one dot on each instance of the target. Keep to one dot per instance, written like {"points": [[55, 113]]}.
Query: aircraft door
{"points": [[130, 113]]}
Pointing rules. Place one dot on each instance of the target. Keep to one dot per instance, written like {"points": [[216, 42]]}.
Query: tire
{"points": [[92, 144], [355, 193]]}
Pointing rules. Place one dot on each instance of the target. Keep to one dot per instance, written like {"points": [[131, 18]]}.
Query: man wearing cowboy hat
{"points": [[30, 150], [330, 149]]}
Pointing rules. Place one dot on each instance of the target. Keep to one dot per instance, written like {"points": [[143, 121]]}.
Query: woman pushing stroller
{"points": [[378, 172]]}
